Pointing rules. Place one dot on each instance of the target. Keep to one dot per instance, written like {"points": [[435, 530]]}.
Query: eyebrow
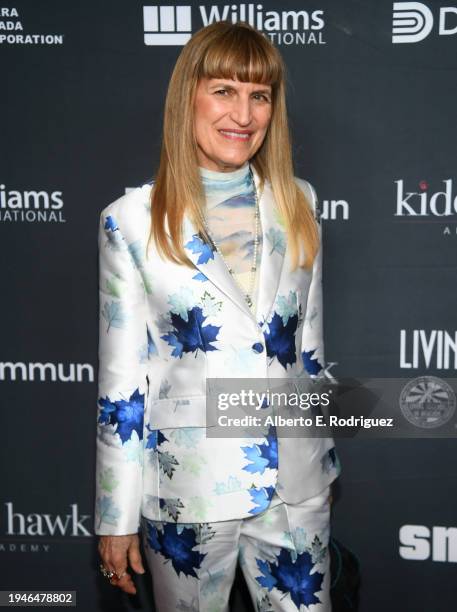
{"points": [[230, 86]]}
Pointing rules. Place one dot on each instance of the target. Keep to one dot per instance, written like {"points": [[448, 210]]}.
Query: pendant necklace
{"points": [[248, 296]]}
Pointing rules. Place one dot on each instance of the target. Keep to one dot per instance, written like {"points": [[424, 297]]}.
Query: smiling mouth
{"points": [[241, 136]]}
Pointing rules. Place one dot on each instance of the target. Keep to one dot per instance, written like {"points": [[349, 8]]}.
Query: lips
{"points": [[240, 135]]}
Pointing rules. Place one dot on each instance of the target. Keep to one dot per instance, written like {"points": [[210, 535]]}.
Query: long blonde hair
{"points": [[233, 51]]}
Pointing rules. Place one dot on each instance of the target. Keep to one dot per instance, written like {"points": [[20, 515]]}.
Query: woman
{"points": [[229, 287]]}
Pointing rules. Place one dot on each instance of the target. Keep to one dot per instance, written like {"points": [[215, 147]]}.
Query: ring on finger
{"points": [[107, 573]]}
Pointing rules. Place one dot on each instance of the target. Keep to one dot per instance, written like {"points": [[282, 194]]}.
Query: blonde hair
{"points": [[234, 51]]}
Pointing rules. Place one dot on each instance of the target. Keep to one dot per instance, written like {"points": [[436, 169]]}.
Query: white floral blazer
{"points": [[164, 329]]}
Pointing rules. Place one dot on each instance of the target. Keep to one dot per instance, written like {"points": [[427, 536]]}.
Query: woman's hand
{"points": [[117, 553]]}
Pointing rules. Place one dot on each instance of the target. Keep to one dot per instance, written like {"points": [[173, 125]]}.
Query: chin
{"points": [[234, 161]]}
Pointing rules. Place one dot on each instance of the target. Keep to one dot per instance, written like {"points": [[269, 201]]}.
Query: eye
{"points": [[221, 91], [261, 96]]}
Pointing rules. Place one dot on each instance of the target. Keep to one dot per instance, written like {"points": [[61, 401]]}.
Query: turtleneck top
{"points": [[230, 208]]}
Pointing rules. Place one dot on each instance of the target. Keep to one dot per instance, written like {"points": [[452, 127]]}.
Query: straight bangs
{"points": [[239, 52], [236, 55]]}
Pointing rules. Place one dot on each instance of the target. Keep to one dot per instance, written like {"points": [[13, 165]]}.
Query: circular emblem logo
{"points": [[427, 402]]}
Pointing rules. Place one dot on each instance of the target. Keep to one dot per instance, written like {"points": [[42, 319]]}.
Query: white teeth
{"points": [[245, 136]]}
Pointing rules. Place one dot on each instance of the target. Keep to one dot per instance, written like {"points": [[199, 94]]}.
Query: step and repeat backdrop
{"points": [[372, 92]]}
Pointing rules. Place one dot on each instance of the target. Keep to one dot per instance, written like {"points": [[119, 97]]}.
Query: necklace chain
{"points": [[248, 296]]}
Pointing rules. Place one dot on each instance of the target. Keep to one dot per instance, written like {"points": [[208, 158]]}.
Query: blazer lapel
{"points": [[212, 266], [273, 253]]}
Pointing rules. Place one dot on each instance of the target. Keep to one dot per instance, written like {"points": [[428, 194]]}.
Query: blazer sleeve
{"points": [[122, 383], [312, 345]]}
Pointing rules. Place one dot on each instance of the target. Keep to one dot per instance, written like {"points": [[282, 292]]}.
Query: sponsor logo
{"points": [[413, 21], [419, 543], [427, 402], [30, 528], [327, 375], [172, 25], [425, 204], [46, 372], [12, 31], [167, 25], [31, 206], [335, 209], [435, 349], [421, 203]]}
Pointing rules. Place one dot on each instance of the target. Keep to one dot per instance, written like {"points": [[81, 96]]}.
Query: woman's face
{"points": [[231, 120]]}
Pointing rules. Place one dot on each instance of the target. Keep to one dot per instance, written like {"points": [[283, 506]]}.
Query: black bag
{"points": [[345, 577]]}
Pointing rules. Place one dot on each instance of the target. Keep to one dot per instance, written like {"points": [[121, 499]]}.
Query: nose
{"points": [[241, 111]]}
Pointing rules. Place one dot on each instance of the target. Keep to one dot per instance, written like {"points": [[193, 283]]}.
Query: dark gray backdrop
{"points": [[81, 116]]}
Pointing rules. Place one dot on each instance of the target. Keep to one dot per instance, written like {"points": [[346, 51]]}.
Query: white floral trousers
{"points": [[283, 553]]}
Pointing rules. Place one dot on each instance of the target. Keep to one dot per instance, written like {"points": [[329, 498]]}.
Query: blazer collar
{"points": [[212, 266]]}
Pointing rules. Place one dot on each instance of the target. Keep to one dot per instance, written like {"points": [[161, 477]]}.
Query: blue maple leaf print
{"points": [[107, 510], [173, 341], [312, 366], [277, 240], [268, 581], [177, 547], [280, 340], [200, 277], [126, 414], [113, 314], [152, 536], [262, 455], [261, 497], [189, 336], [197, 245], [136, 251], [110, 224], [287, 306], [254, 455], [292, 577], [171, 505], [155, 438]]}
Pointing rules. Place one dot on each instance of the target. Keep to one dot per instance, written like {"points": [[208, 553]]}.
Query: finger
{"points": [[106, 562], [119, 561], [109, 565], [106, 554], [125, 584], [135, 560]]}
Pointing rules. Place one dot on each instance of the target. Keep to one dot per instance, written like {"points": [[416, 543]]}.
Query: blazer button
{"points": [[257, 347]]}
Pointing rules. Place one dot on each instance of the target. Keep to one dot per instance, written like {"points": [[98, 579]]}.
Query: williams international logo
{"points": [[31, 205], [14, 31], [173, 25], [414, 21], [167, 25]]}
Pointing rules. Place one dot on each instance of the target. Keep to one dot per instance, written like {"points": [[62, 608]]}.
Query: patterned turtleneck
{"points": [[230, 202]]}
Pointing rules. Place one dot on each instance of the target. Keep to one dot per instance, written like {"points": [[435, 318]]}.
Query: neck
{"points": [[220, 175], [219, 186]]}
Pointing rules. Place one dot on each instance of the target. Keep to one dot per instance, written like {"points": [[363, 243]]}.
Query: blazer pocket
{"points": [[178, 412]]}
